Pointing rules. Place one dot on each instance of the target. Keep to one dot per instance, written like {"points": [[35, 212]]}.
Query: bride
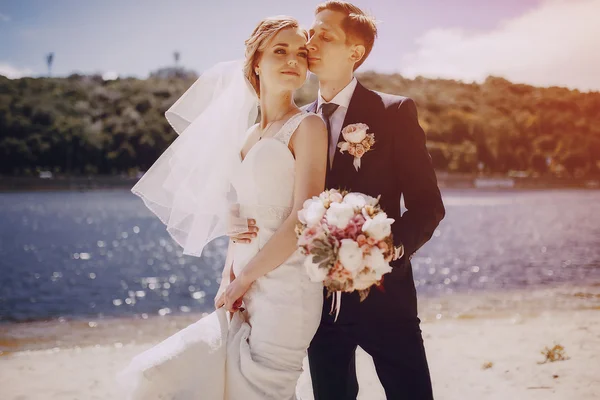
{"points": [[267, 171]]}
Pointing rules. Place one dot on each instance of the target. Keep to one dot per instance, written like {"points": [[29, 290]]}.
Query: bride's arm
{"points": [[309, 144], [226, 276]]}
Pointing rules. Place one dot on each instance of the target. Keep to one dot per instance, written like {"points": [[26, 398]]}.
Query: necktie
{"points": [[327, 110]]}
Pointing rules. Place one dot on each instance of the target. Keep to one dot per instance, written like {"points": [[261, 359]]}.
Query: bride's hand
{"points": [[220, 302], [220, 296], [234, 293]]}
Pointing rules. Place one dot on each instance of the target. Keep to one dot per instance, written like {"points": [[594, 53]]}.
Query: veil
{"points": [[189, 187]]}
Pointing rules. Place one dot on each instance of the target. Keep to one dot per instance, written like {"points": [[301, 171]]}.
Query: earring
{"points": [[256, 71]]}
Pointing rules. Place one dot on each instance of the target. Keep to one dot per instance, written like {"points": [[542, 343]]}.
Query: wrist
{"points": [[245, 277]]}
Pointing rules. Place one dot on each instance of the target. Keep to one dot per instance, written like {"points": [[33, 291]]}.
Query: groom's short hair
{"points": [[357, 25]]}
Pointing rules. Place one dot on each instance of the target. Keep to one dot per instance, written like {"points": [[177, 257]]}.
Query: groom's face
{"points": [[329, 53]]}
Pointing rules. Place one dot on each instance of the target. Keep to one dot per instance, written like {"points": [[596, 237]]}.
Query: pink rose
{"points": [[361, 240], [352, 151], [352, 229], [359, 151], [359, 219], [371, 139], [339, 274]]}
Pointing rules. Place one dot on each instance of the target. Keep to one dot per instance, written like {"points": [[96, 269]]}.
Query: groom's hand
{"points": [[398, 252], [237, 223], [245, 237]]}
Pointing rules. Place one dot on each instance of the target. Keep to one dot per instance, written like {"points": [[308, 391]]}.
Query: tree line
{"points": [[87, 125]]}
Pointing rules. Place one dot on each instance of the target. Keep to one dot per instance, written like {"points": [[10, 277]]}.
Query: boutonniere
{"points": [[357, 142]]}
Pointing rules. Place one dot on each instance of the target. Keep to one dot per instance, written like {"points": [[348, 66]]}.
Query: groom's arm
{"points": [[414, 170]]}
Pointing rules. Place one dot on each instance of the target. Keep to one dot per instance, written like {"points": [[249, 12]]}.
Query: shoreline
{"points": [[446, 180], [483, 346], [514, 304]]}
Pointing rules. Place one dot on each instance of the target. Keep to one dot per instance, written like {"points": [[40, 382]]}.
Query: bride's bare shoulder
{"points": [[312, 128], [312, 124]]}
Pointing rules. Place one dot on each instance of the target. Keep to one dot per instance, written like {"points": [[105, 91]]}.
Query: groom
{"points": [[385, 325]]}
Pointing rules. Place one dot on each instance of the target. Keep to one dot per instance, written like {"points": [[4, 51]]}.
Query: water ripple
{"points": [[102, 253]]}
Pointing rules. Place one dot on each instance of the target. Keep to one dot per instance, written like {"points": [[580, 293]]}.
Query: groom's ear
{"points": [[358, 52]]}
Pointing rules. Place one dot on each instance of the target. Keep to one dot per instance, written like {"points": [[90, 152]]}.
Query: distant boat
{"points": [[46, 175], [494, 182], [592, 184]]}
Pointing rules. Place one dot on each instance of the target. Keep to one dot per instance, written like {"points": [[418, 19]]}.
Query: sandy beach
{"points": [[479, 346]]}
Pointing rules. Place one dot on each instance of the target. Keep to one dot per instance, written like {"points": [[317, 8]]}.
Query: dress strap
{"points": [[287, 130]]}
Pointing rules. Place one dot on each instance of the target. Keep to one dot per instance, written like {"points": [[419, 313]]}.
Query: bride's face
{"points": [[284, 62]]}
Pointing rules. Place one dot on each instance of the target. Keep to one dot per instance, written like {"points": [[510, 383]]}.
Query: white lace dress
{"points": [[259, 354]]}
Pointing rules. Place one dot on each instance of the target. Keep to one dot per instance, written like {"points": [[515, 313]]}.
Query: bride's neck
{"points": [[274, 106]]}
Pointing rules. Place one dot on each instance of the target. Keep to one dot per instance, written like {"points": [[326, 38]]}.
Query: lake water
{"points": [[102, 253]]}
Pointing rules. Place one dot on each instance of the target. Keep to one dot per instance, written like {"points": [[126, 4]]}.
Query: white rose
{"points": [[364, 281], [359, 200], [312, 211], [350, 255], [315, 273], [355, 133], [376, 261], [339, 214], [356, 200], [335, 197], [372, 201], [378, 227]]}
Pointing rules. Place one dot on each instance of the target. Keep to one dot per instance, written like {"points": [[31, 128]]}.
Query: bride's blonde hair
{"points": [[257, 42]]}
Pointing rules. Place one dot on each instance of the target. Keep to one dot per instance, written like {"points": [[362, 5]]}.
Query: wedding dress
{"points": [[259, 354]]}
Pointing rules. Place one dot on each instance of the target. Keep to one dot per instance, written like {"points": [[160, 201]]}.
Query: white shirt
{"points": [[342, 99]]}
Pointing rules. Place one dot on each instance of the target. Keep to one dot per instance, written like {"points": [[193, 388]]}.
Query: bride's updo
{"points": [[257, 42]]}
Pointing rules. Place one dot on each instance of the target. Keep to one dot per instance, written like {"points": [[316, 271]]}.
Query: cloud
{"points": [[4, 17], [13, 72], [555, 44]]}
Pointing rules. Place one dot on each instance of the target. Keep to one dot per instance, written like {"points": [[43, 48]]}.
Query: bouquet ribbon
{"points": [[336, 304]]}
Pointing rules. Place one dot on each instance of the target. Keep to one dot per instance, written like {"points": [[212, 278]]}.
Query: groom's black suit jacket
{"points": [[397, 165]]}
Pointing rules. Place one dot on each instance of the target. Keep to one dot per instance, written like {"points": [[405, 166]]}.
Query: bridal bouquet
{"points": [[347, 241]]}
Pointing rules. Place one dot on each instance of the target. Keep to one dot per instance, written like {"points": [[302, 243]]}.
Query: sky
{"points": [[539, 42]]}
